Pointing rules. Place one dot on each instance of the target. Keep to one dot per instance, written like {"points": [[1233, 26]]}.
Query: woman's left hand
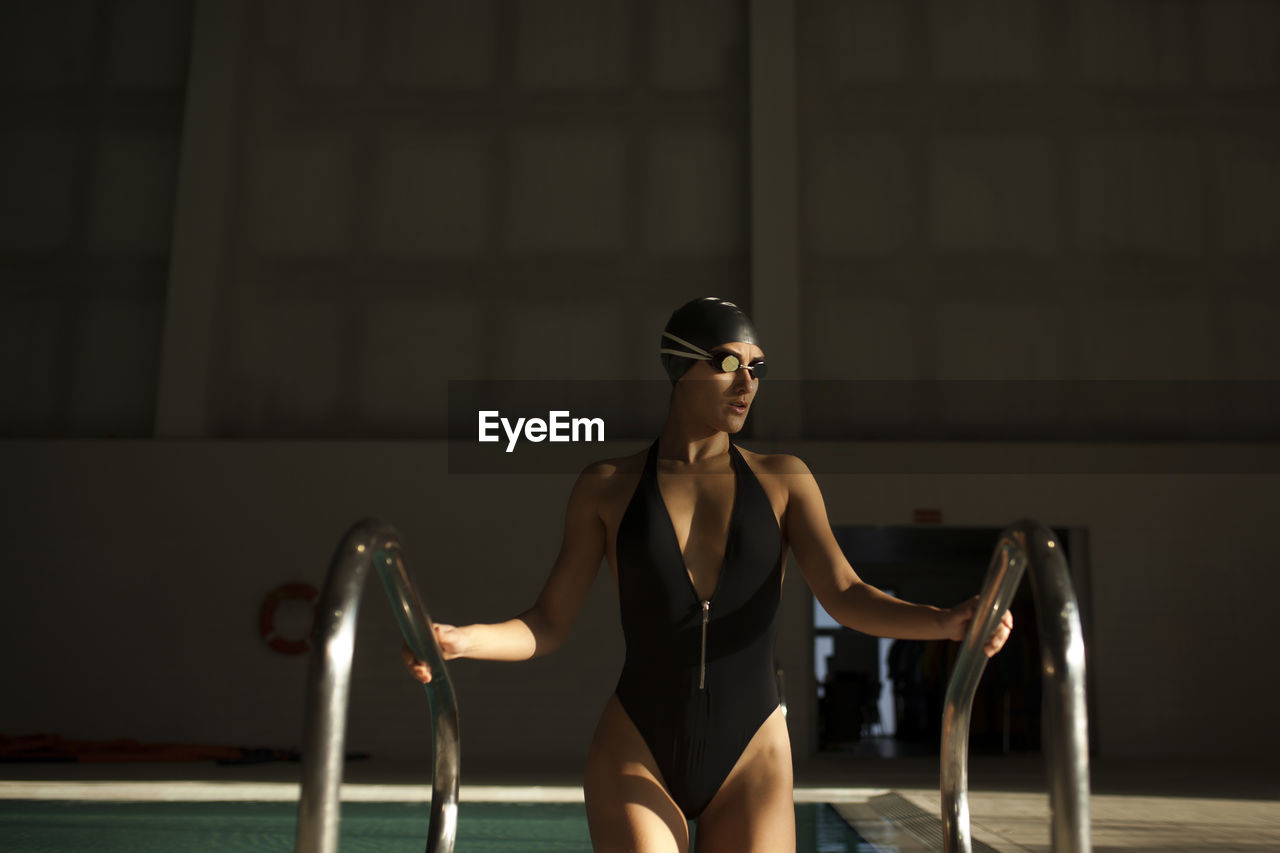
{"points": [[957, 621]]}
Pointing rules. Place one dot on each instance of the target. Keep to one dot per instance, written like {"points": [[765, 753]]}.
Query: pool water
{"points": [[28, 826]]}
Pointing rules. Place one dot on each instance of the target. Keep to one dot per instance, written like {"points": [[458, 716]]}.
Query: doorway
{"points": [[884, 698]]}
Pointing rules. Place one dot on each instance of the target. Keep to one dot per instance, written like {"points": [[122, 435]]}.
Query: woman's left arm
{"points": [[851, 601]]}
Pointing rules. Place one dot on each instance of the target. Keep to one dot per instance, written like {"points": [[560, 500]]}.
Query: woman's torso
{"points": [[707, 487], [697, 503]]}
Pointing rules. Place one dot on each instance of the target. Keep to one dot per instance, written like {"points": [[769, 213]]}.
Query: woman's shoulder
{"points": [[607, 483], [631, 463], [615, 466], [780, 464]]}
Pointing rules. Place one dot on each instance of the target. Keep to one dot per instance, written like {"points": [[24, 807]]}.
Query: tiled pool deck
{"points": [[1136, 805]]}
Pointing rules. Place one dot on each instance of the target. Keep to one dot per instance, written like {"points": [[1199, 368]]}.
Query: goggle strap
{"points": [[682, 354], [701, 353]]}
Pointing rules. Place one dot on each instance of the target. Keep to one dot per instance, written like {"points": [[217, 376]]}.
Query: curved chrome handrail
{"points": [[1066, 740], [370, 542]]}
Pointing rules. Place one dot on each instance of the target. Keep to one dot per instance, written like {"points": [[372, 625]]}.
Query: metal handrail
{"points": [[1022, 544], [370, 542]]}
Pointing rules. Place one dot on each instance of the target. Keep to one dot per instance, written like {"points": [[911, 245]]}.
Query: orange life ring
{"points": [[267, 617]]}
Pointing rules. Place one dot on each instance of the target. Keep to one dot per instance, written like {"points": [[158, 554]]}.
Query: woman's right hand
{"points": [[453, 644]]}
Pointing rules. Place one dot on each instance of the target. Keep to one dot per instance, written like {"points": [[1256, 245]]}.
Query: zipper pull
{"points": [[702, 672]]}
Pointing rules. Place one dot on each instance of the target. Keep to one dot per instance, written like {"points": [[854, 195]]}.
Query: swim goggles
{"points": [[720, 361]]}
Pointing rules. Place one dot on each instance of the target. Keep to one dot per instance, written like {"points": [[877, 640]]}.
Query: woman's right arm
{"points": [[544, 627]]}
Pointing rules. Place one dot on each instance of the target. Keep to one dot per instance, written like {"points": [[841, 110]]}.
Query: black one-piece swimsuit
{"points": [[699, 676]]}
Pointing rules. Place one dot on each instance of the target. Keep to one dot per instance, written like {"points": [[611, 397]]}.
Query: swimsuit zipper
{"points": [[702, 672]]}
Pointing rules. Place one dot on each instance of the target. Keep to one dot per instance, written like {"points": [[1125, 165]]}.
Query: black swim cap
{"points": [[698, 326]]}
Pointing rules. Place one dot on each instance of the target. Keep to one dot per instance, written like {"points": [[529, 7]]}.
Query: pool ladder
{"points": [[369, 543], [1025, 544]]}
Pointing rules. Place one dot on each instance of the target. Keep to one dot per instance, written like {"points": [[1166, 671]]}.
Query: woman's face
{"points": [[720, 400]]}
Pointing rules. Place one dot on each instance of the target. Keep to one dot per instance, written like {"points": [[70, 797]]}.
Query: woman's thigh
{"points": [[754, 809], [628, 807]]}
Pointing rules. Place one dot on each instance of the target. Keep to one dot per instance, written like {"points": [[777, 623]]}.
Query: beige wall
{"points": [[298, 220], [137, 570], [242, 242]]}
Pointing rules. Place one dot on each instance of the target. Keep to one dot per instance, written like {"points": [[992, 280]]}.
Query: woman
{"points": [[694, 729]]}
